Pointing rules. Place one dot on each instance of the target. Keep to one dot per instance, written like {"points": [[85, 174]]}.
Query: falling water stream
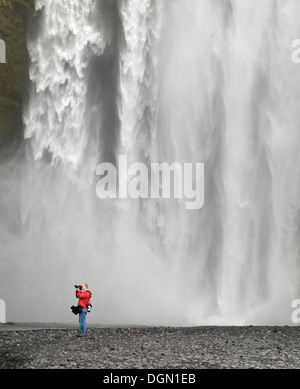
{"points": [[197, 81]]}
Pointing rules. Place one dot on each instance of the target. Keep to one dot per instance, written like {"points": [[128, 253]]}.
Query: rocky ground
{"points": [[151, 348]]}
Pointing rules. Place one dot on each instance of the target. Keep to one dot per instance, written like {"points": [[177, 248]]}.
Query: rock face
{"points": [[14, 73], [152, 348]]}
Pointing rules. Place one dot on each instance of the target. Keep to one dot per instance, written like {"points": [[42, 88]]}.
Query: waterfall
{"points": [[207, 81], [60, 58]]}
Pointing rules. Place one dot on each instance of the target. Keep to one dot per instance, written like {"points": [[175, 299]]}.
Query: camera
{"points": [[78, 287]]}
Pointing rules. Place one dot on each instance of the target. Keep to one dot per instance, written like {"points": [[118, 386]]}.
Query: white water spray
{"points": [[190, 82]]}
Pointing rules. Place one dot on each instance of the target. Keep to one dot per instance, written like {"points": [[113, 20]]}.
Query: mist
{"points": [[191, 82]]}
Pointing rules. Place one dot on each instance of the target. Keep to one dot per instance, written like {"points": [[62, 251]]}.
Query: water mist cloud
{"points": [[208, 83]]}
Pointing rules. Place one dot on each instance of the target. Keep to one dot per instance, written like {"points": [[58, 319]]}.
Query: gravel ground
{"points": [[151, 348]]}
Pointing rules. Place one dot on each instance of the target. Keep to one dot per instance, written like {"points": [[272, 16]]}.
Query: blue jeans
{"points": [[82, 321]]}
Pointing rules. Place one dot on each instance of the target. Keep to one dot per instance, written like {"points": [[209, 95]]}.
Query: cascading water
{"points": [[207, 81]]}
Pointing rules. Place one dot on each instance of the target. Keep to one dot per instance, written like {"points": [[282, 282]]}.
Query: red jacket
{"points": [[84, 298]]}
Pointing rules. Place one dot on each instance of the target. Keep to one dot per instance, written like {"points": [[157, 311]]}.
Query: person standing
{"points": [[84, 296]]}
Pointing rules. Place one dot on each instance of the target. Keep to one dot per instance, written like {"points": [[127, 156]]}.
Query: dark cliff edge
{"points": [[15, 16]]}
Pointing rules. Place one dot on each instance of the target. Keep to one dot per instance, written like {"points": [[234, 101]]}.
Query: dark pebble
{"points": [[155, 348]]}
